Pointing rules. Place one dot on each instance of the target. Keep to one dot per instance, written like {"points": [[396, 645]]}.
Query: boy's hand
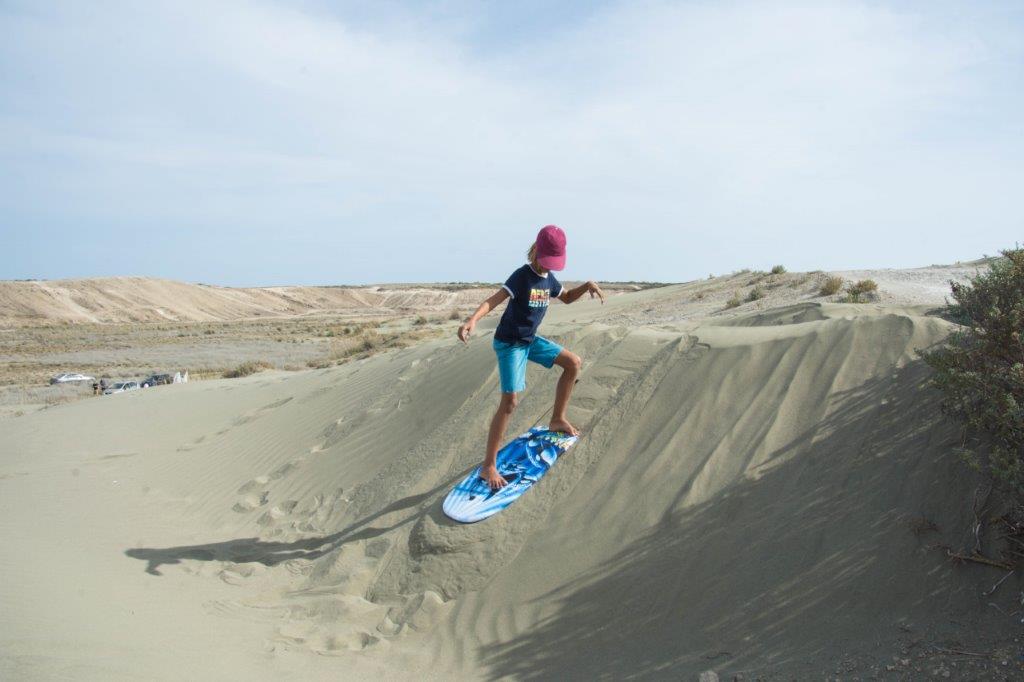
{"points": [[595, 290], [492, 477], [465, 330]]}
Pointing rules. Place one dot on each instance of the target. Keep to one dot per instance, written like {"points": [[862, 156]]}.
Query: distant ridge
{"points": [[149, 299]]}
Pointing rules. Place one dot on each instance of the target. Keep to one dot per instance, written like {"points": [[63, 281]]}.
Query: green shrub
{"points": [[734, 301], [421, 320], [858, 292], [247, 368], [755, 294], [778, 269], [980, 367], [865, 286], [831, 286]]}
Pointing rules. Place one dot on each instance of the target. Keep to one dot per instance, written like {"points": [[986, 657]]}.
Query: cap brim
{"points": [[555, 263]]}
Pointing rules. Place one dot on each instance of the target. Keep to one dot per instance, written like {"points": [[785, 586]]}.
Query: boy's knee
{"points": [[574, 364], [509, 402]]}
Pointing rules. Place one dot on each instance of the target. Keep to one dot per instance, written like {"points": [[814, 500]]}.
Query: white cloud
{"points": [[716, 130]]}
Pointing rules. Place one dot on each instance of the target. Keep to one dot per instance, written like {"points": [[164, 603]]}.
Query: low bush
{"points": [[980, 367], [734, 301], [864, 286], [859, 292], [778, 269], [247, 368], [755, 294], [831, 286]]}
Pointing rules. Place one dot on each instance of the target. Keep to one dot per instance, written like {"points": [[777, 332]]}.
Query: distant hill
{"points": [[146, 299], [150, 299]]}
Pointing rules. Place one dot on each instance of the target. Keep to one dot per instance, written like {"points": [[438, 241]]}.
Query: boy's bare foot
{"points": [[492, 477], [564, 426]]}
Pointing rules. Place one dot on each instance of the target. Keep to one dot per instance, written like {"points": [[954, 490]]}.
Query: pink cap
{"points": [[551, 248]]}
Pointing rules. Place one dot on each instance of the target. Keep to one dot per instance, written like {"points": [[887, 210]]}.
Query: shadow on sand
{"points": [[812, 558], [270, 553]]}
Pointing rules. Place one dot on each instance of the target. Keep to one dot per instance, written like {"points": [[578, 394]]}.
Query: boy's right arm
{"points": [[492, 302]]}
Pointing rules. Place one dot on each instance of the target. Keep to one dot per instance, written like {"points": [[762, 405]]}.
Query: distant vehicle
{"points": [[70, 378], [121, 387], [157, 380]]}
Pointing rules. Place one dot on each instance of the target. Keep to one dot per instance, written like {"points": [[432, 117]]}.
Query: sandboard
{"points": [[522, 463]]}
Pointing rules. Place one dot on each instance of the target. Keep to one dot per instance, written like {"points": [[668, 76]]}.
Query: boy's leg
{"points": [[512, 373], [571, 365], [499, 423]]}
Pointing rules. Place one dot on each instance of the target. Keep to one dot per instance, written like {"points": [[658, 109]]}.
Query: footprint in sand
{"points": [[277, 512], [236, 574], [253, 484], [324, 641], [250, 502], [285, 469], [418, 613]]}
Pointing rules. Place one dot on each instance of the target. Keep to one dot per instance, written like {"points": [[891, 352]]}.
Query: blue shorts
{"points": [[512, 359]]}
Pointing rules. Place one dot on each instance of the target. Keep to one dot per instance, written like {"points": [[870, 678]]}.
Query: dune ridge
{"points": [[150, 299]]}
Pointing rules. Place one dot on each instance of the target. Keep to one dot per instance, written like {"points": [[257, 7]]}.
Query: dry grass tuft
{"points": [[831, 286], [247, 368]]}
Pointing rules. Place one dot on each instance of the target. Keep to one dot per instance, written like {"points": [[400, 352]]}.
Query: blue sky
{"points": [[316, 142]]}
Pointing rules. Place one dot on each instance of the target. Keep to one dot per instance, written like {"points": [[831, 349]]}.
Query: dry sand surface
{"points": [[758, 492]]}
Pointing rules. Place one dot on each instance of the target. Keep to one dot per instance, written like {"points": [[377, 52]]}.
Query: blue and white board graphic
{"points": [[522, 463]]}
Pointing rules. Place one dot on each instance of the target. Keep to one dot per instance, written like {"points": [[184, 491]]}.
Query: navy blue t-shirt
{"points": [[530, 294]]}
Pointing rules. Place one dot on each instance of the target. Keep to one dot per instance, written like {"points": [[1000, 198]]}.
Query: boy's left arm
{"points": [[569, 295]]}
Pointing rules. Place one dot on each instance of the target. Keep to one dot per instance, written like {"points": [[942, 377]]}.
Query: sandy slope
{"points": [[742, 500]]}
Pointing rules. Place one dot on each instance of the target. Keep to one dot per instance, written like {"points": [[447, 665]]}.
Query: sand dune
{"points": [[743, 500], [148, 299]]}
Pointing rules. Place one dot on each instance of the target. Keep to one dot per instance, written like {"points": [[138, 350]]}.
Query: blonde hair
{"points": [[531, 253]]}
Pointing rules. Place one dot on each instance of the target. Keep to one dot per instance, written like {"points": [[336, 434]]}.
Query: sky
{"points": [[262, 143]]}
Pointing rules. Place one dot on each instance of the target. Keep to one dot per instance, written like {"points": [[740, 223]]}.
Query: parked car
{"points": [[71, 378], [157, 380], [121, 387]]}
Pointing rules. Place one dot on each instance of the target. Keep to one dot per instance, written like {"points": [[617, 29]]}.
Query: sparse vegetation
{"points": [[831, 286], [247, 368], [778, 269], [734, 301], [860, 292], [421, 320], [755, 294], [980, 368]]}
